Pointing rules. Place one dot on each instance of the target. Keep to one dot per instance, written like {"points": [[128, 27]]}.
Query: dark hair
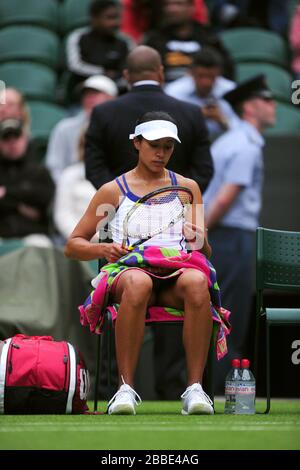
{"points": [[208, 57], [98, 6], [155, 116]]}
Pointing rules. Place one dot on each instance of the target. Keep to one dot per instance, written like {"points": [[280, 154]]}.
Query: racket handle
{"points": [[139, 242]]}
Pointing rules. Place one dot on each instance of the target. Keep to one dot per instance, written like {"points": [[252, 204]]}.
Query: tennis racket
{"points": [[154, 213]]}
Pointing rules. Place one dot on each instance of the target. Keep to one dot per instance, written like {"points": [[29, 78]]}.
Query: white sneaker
{"points": [[124, 401], [196, 402]]}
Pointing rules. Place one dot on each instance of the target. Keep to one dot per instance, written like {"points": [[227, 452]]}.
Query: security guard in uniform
{"points": [[232, 205]]}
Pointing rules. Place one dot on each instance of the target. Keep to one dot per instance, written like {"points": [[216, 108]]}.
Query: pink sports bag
{"points": [[41, 376]]}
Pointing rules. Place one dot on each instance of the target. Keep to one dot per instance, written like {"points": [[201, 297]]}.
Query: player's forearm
{"points": [[83, 250]]}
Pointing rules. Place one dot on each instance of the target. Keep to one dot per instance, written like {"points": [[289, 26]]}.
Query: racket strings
{"points": [[169, 197], [156, 214]]}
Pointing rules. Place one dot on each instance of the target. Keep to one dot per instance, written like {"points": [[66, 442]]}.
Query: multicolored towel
{"points": [[161, 263]]}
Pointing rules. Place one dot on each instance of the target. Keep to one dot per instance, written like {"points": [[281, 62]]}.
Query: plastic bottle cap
{"points": [[245, 363], [236, 363]]}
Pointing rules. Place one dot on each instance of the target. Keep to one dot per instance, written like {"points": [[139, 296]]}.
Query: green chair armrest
{"points": [[283, 315]]}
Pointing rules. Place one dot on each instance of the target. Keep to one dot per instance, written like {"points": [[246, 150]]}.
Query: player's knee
{"points": [[137, 288], [195, 286]]}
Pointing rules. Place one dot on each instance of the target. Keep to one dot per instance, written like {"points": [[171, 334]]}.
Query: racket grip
{"points": [[139, 242]]}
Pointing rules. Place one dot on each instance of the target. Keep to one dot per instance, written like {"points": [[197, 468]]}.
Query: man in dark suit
{"points": [[109, 153]]}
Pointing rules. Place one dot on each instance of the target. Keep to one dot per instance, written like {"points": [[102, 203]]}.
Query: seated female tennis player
{"points": [[154, 139]]}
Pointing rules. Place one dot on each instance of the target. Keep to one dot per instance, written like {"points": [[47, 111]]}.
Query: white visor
{"points": [[154, 130]]}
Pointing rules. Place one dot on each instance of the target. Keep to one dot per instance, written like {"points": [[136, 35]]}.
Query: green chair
{"points": [[277, 268], [10, 244], [29, 43], [43, 117], [287, 121], [35, 81], [41, 13], [74, 14], [255, 45], [278, 79]]}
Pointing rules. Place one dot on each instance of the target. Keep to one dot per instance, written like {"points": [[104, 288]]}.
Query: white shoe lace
{"points": [[123, 390], [197, 387]]}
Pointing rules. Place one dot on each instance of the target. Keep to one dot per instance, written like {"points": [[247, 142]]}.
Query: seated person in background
{"points": [[13, 105], [180, 37], [26, 188], [99, 48], [154, 139], [141, 15], [138, 16], [269, 14], [64, 140], [73, 194], [205, 86]]}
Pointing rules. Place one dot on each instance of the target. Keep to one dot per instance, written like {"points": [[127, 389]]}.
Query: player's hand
{"points": [[113, 251], [194, 234]]}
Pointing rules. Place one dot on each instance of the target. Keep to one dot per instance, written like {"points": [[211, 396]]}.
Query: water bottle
{"points": [[232, 379], [245, 394]]}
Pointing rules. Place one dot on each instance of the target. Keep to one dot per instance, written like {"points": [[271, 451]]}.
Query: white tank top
{"points": [[170, 238]]}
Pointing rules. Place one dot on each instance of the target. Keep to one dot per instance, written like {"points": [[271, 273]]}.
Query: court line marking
{"points": [[151, 423], [146, 428]]}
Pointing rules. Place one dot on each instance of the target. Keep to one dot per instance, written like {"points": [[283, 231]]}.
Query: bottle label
{"points": [[230, 389], [245, 389], [230, 394]]}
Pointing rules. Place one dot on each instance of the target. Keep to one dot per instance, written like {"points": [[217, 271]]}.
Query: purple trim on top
{"points": [[129, 193], [173, 178], [133, 196], [120, 186]]}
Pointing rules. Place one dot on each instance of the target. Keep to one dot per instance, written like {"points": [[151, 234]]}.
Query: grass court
{"points": [[157, 426]]}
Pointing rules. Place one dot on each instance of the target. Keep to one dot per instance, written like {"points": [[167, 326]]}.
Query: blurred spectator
{"points": [[277, 15], [233, 202], [201, 12], [73, 194], [270, 14], [295, 42], [13, 105], [205, 86], [137, 17], [99, 48], [64, 140], [180, 37], [233, 13], [26, 188], [141, 15]]}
